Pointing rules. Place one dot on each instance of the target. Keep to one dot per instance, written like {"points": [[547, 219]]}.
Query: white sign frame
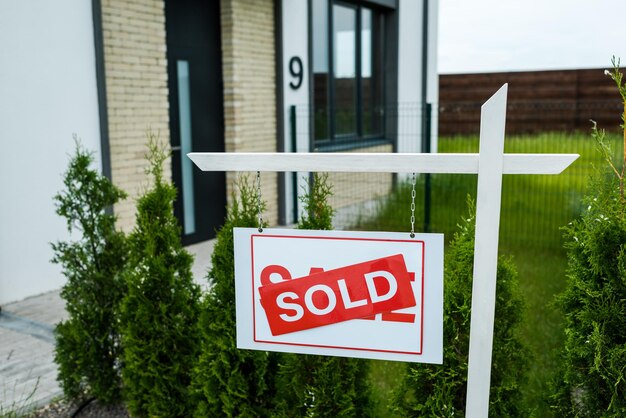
{"points": [[299, 250], [490, 164]]}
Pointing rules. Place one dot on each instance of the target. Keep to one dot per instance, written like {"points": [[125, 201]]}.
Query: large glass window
{"points": [[184, 115], [371, 73], [347, 73], [344, 70]]}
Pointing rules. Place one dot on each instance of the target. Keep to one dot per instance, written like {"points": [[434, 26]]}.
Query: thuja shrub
{"points": [[592, 379], [87, 342], [440, 390], [322, 386], [228, 381], [160, 310]]}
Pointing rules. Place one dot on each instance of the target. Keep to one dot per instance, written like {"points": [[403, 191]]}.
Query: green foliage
{"points": [[320, 386], [160, 311], [617, 76], [318, 213], [88, 343], [227, 381], [534, 208], [592, 379], [599, 135], [440, 390], [593, 376]]}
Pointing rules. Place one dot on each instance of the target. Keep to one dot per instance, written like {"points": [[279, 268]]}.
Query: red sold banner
{"points": [[351, 292], [372, 295]]}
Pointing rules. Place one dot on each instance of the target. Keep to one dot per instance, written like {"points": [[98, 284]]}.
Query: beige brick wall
{"points": [[137, 96], [249, 71]]}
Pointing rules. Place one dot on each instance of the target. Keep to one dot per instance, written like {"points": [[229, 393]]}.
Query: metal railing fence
{"points": [[534, 208]]}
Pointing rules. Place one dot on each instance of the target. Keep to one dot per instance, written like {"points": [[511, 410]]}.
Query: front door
{"points": [[196, 113]]}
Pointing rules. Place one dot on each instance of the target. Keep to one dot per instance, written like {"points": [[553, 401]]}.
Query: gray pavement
{"points": [[27, 369]]}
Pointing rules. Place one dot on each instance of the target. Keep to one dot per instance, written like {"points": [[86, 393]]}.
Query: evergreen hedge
{"points": [[440, 390], [161, 308], [322, 386], [592, 379], [228, 381], [87, 342]]}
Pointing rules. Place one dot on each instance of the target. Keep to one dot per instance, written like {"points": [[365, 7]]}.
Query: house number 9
{"points": [[296, 71]]}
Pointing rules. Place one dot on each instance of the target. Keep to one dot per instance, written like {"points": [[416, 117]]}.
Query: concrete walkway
{"points": [[27, 369]]}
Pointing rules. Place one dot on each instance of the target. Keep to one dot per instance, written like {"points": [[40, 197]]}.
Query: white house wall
{"points": [[295, 43], [47, 93], [410, 73], [432, 84]]}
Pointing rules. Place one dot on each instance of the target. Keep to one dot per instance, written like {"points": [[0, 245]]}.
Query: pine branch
{"points": [[617, 77]]}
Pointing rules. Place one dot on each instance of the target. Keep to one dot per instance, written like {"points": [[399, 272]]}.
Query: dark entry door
{"points": [[196, 113]]}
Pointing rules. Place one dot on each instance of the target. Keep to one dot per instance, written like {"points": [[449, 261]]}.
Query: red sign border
{"points": [[412, 241]]}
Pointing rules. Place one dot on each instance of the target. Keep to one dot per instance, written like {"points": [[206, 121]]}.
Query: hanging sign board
{"points": [[375, 295]]}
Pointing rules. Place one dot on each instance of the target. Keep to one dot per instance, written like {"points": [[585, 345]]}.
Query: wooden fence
{"points": [[538, 101]]}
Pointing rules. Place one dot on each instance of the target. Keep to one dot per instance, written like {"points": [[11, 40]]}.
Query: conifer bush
{"points": [[227, 381], [440, 390], [322, 386], [592, 378], [160, 310], [87, 342]]}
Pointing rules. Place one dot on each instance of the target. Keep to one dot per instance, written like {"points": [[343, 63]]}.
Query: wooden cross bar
{"points": [[490, 164]]}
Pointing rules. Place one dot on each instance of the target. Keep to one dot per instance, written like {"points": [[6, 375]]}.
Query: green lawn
{"points": [[534, 208]]}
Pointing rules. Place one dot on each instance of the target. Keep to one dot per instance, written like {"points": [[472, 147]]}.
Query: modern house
{"points": [[228, 75]]}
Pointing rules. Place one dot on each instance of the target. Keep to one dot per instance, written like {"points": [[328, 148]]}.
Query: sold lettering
{"points": [[322, 298]]}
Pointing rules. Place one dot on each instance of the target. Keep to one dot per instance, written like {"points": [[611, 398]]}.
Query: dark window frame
{"points": [[357, 139]]}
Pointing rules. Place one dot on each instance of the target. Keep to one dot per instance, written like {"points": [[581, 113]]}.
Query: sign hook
{"points": [[258, 200], [412, 235]]}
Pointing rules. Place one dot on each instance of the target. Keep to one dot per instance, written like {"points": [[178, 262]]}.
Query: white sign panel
{"points": [[375, 295]]}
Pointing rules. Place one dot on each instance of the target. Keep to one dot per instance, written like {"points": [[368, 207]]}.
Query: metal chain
{"points": [[413, 207], [258, 199]]}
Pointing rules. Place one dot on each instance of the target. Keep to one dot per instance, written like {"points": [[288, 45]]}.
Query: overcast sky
{"points": [[512, 35]]}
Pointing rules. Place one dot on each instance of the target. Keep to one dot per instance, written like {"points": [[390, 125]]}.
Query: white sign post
{"points": [[490, 164]]}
